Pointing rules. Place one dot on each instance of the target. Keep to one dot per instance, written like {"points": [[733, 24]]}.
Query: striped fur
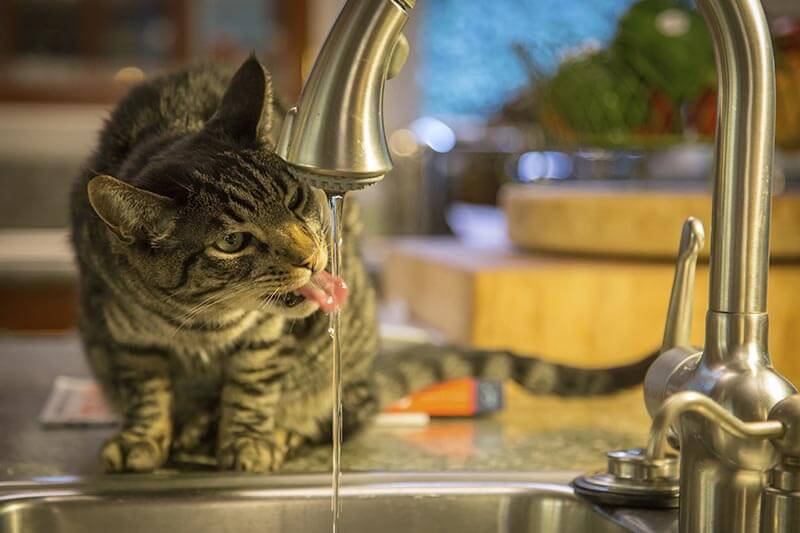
{"points": [[193, 345], [184, 339]]}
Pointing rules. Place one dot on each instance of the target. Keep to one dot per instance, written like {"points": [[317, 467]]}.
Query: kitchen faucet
{"points": [[733, 418]]}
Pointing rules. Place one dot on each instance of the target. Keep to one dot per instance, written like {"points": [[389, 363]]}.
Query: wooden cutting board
{"points": [[627, 223], [582, 311]]}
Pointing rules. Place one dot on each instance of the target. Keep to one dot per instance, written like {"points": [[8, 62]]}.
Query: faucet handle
{"points": [[678, 329], [692, 401]]}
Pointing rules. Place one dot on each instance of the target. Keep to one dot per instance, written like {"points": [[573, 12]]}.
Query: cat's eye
{"points": [[233, 242], [296, 199]]}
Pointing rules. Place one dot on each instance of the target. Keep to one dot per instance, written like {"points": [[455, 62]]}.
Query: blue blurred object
{"points": [[468, 65]]}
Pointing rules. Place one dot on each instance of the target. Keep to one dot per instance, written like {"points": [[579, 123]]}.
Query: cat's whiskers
{"points": [[231, 292], [269, 301], [197, 309]]}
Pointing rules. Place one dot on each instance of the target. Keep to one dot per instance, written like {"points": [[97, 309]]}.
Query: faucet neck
{"points": [[736, 340], [745, 143]]}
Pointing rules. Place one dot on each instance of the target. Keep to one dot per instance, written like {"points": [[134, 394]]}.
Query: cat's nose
{"points": [[309, 263]]}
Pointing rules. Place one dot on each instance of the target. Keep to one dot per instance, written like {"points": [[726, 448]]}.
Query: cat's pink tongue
{"points": [[329, 291]]}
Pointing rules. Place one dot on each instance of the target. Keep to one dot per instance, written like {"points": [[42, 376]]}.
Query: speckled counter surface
{"points": [[530, 434]]}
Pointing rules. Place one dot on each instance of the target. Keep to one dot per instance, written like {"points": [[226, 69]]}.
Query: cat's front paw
{"points": [[131, 451], [251, 454]]}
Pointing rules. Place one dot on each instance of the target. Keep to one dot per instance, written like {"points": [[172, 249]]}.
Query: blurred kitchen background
{"points": [[546, 153]]}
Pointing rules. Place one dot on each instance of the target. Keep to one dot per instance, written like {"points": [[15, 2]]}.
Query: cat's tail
{"points": [[416, 368]]}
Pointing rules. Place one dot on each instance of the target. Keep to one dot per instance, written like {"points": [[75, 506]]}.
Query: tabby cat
{"points": [[202, 274]]}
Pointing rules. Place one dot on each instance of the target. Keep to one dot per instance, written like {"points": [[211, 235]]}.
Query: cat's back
{"points": [[170, 104]]}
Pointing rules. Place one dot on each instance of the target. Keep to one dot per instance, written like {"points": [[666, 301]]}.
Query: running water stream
{"points": [[336, 201]]}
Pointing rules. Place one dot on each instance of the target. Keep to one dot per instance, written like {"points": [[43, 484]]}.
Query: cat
{"points": [[203, 279]]}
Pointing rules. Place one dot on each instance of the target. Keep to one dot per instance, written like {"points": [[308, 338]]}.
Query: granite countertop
{"points": [[530, 434]]}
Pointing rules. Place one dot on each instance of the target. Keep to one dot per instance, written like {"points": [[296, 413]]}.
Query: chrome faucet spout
{"points": [[725, 407], [334, 137], [715, 403]]}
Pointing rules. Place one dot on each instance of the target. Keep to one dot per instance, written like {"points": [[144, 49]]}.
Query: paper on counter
{"points": [[76, 402]]}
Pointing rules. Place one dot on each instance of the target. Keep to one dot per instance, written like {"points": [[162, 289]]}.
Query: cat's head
{"points": [[214, 219]]}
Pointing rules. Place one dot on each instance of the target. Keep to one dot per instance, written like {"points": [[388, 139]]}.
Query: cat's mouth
{"points": [[292, 299], [329, 292]]}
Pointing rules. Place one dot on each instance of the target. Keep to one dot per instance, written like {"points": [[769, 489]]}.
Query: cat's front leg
{"points": [[144, 397], [250, 437], [359, 406]]}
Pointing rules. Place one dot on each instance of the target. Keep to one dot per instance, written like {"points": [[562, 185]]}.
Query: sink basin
{"points": [[443, 502]]}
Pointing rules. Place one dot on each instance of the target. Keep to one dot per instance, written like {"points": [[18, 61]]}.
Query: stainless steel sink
{"points": [[388, 503]]}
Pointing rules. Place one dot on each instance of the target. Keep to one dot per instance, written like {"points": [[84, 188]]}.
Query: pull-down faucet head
{"points": [[334, 137]]}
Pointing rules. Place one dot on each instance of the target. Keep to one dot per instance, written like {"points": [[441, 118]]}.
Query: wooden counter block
{"points": [[626, 222], [38, 280], [587, 312]]}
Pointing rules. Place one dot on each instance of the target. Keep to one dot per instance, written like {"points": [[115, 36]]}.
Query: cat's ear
{"points": [[245, 113], [131, 213]]}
